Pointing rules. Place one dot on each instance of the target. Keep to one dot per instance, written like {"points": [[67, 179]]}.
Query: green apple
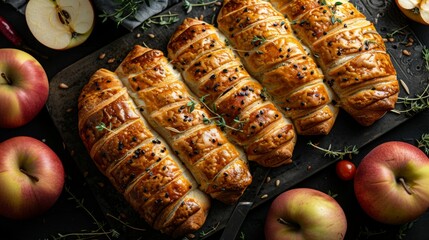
{"points": [[305, 214], [60, 24]]}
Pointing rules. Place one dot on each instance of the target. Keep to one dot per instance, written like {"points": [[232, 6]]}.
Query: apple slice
{"points": [[60, 24], [424, 10], [416, 10], [408, 4]]}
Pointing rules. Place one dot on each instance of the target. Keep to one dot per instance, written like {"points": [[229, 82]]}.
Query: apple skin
{"points": [[378, 189], [31, 177], [316, 213], [24, 87]]}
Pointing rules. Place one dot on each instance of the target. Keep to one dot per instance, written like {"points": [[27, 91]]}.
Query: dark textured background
{"points": [[64, 217]]}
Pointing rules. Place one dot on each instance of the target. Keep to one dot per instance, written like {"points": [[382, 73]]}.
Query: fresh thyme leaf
{"points": [[102, 126], [191, 104], [367, 233], [414, 105], [396, 31], [258, 40], [100, 231], [203, 98], [188, 5], [219, 120], [212, 228], [334, 19], [404, 228], [126, 9], [333, 195], [337, 154], [425, 53], [161, 20], [338, 3], [423, 143]]}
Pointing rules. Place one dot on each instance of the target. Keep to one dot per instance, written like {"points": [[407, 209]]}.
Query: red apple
{"points": [[31, 177], [392, 183], [305, 214], [24, 87]]}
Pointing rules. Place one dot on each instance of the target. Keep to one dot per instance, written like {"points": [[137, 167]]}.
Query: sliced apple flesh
{"points": [[416, 10], [424, 10], [60, 24]]}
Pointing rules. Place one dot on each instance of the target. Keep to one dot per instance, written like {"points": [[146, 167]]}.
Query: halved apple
{"points": [[60, 24], [416, 10]]}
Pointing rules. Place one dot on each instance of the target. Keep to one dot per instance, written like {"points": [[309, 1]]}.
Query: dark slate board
{"points": [[62, 105]]}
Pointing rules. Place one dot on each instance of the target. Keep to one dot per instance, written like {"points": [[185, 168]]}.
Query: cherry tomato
{"points": [[345, 170]]}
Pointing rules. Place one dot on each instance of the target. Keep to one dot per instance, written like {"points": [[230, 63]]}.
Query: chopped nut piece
{"points": [[404, 85], [406, 52], [151, 35], [391, 39], [111, 60], [218, 3], [277, 182], [264, 196], [268, 179], [101, 56], [63, 86], [138, 35]]}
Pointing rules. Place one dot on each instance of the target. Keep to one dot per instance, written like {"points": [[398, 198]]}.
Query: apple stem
{"points": [[282, 221], [34, 178], [9, 82], [405, 185]]}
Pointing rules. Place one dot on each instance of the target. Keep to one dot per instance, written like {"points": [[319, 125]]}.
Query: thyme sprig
{"points": [[425, 53], [337, 154], [212, 228], [404, 228], [161, 20], [100, 231], [367, 233], [396, 31], [415, 104], [258, 40], [217, 118], [102, 126], [126, 9], [423, 143], [188, 5]]}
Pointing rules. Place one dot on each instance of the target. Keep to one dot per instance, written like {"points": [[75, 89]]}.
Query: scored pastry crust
{"points": [[136, 160], [218, 166], [213, 72], [350, 52], [264, 40]]}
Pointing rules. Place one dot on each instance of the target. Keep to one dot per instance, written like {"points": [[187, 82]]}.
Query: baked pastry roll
{"points": [[350, 52], [265, 42], [240, 103], [136, 160], [218, 166]]}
